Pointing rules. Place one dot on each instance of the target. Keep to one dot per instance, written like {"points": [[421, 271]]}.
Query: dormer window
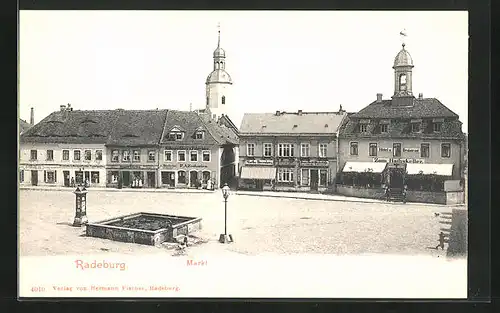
{"points": [[436, 126], [199, 135], [363, 128], [223, 99], [178, 136], [416, 126], [384, 126]]}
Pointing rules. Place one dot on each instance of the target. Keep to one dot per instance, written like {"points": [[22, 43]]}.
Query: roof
{"points": [[23, 126], [192, 122], [422, 108], [291, 123], [219, 76], [403, 58], [113, 127]]}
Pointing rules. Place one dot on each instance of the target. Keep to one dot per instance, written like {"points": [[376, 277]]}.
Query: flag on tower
{"points": [[403, 33]]}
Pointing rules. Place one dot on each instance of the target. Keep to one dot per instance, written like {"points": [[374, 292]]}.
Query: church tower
{"points": [[218, 85], [403, 65]]}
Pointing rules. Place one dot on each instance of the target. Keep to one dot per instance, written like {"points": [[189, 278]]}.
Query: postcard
{"points": [[243, 154]]}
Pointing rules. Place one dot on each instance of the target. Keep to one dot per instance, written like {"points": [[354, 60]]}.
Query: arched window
{"points": [[402, 82], [223, 99], [207, 100]]}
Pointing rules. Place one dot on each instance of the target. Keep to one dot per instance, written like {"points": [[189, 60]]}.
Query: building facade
{"points": [[289, 151], [195, 149], [414, 137]]}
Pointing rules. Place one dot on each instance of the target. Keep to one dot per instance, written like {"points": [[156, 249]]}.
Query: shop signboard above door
{"points": [[314, 163], [259, 162], [192, 165], [398, 160]]}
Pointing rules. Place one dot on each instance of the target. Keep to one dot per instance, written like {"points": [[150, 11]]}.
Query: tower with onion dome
{"points": [[218, 85]]}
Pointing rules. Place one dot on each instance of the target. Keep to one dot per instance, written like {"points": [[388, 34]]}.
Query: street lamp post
{"points": [[225, 238]]}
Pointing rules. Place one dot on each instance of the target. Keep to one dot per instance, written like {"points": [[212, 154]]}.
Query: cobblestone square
{"points": [[259, 225]]}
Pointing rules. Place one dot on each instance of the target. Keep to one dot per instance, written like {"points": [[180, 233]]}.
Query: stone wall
{"points": [[455, 197], [426, 197], [360, 192], [457, 242]]}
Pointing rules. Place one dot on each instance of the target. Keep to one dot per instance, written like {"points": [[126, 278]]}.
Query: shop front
{"points": [[188, 175], [129, 176], [315, 175], [257, 174]]}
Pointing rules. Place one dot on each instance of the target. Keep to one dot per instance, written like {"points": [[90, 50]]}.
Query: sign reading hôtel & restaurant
{"points": [[317, 163], [259, 162], [398, 160]]}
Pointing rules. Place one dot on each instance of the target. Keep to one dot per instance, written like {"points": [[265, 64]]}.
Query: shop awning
{"points": [[258, 172], [428, 169], [361, 167]]}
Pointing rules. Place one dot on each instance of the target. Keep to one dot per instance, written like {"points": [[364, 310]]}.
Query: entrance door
{"points": [[151, 180], [397, 178], [87, 177], [126, 179], [193, 179], [314, 179], [259, 184], [66, 178], [34, 178]]}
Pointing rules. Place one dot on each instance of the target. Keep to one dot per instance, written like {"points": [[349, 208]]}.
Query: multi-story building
{"points": [[411, 137], [194, 148], [289, 151], [132, 149], [67, 146]]}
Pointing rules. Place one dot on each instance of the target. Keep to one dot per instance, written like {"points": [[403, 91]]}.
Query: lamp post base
{"points": [[225, 238], [79, 221]]}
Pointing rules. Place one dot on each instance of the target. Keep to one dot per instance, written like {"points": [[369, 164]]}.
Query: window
{"points": [[137, 155], [323, 150], [250, 149], [98, 155], [181, 156], [373, 150], [126, 156], [415, 127], [285, 175], [151, 155], [21, 176], [113, 177], [424, 150], [193, 156], [402, 82], [179, 136], [437, 126], [88, 155], [65, 155], [174, 136], [285, 150], [168, 156], [94, 177], [305, 177], [50, 155], [199, 135], [181, 177], [396, 148], [33, 155], [304, 150], [223, 99], [76, 155], [50, 177], [445, 150], [115, 155], [268, 149], [322, 177], [363, 128], [354, 148], [384, 128], [206, 156]]}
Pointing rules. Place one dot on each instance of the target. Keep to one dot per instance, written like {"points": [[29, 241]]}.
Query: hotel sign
{"points": [[398, 160], [289, 162], [384, 149], [411, 150], [314, 163], [259, 162]]}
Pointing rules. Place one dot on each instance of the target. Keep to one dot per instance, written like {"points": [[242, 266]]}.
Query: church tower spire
{"points": [[218, 83]]}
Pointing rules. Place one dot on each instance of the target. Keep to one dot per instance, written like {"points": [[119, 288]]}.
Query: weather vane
{"points": [[403, 35]]}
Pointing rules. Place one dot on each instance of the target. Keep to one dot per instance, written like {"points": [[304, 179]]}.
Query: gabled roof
{"points": [[113, 127], [291, 123], [427, 107], [191, 122], [23, 126], [226, 121]]}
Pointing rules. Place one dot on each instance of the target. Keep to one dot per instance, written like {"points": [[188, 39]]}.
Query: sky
{"points": [[308, 60]]}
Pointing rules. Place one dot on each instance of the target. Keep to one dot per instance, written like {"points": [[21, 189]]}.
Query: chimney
{"points": [[277, 113], [62, 107], [300, 112], [32, 117], [420, 96], [379, 97]]}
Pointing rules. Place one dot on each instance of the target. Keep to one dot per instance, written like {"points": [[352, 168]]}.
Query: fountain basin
{"points": [[144, 228]]}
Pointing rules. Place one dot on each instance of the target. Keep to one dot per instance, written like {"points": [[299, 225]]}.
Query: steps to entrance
{"points": [[396, 195]]}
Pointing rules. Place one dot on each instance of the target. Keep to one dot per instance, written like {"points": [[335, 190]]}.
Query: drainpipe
{"points": [[337, 145]]}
